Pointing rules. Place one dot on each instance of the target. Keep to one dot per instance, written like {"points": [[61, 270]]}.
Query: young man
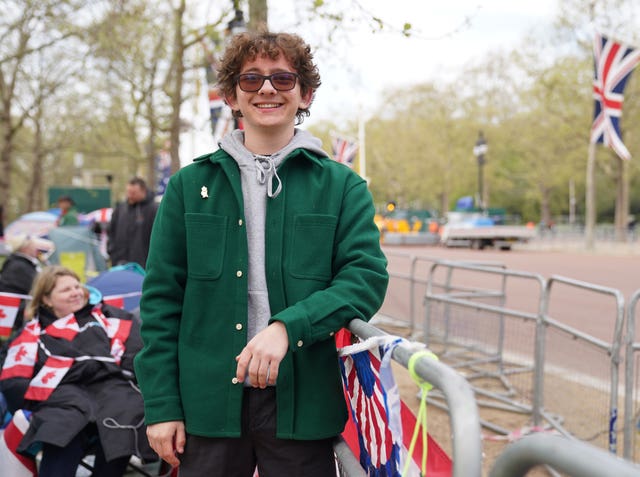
{"points": [[129, 231], [260, 252]]}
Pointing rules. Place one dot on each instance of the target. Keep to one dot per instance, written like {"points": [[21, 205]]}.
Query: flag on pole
{"points": [[344, 150], [614, 63], [222, 120]]}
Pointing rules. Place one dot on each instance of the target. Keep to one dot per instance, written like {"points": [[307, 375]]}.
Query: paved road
{"points": [[617, 268]]}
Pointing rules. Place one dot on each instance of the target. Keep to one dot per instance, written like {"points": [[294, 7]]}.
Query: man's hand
{"points": [[260, 359], [167, 439]]}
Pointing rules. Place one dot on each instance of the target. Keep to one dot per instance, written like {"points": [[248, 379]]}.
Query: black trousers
{"points": [[258, 445], [64, 461]]}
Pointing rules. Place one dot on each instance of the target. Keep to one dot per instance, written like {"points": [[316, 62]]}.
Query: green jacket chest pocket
{"points": [[206, 245], [312, 251]]}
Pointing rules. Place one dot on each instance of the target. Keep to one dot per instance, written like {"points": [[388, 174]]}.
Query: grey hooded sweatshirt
{"points": [[260, 182]]}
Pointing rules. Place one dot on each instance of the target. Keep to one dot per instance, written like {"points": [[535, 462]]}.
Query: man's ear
{"points": [[306, 99], [231, 101]]}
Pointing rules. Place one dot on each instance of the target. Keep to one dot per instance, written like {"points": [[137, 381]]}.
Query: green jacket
{"points": [[70, 218], [324, 267]]}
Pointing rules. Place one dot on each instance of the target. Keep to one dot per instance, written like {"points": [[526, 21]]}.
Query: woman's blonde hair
{"points": [[43, 285]]}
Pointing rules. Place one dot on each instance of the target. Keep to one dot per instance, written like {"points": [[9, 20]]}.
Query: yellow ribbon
{"points": [[421, 419]]}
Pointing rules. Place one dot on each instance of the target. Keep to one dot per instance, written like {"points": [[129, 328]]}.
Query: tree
{"points": [[27, 28]]}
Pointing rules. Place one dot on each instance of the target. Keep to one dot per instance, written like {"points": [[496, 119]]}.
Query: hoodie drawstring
{"points": [[266, 172]]}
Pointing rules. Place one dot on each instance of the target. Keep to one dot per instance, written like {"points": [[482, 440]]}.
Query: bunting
{"points": [[9, 306], [48, 378], [22, 354]]}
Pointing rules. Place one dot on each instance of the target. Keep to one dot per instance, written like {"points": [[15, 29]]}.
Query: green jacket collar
{"points": [[220, 156]]}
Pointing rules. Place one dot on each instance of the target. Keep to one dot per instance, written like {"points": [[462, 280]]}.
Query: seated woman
{"points": [[72, 366]]}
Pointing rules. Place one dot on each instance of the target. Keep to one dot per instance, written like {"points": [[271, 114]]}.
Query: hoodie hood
{"points": [[266, 166], [233, 144]]}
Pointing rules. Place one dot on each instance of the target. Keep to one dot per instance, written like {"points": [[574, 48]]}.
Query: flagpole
{"points": [[590, 198], [361, 148]]}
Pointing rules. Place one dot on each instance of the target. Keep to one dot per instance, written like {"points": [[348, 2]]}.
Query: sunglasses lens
{"points": [[280, 81], [250, 82], [283, 81]]}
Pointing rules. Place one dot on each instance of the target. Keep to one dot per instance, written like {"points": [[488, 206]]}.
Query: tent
{"points": [[77, 248], [120, 286], [34, 223]]}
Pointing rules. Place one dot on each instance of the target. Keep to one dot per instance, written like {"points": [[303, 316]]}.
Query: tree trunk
{"points": [[34, 197], [622, 201], [5, 160], [178, 79], [590, 198], [258, 14], [545, 207]]}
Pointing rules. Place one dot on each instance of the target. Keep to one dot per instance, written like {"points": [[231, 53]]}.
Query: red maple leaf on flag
{"points": [[48, 376], [21, 352]]}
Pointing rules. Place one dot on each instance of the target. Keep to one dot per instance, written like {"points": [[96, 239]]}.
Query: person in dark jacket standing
{"points": [[72, 367], [130, 229], [260, 252]]}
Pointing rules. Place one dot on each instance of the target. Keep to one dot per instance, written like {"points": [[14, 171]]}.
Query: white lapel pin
{"points": [[204, 192]]}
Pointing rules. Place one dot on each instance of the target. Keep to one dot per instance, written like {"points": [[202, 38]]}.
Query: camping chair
{"points": [[16, 465]]}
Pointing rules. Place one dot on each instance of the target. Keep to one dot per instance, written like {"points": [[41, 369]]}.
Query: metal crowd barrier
{"points": [[570, 456], [468, 327], [632, 354], [568, 357]]}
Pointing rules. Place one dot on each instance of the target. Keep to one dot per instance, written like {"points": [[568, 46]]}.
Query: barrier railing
{"points": [[573, 361], [632, 355], [348, 465], [414, 273], [470, 333], [570, 456]]}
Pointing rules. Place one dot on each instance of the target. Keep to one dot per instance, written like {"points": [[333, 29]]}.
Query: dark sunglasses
{"points": [[252, 82]]}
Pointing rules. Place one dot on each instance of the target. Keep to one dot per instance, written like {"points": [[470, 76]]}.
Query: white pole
{"points": [[361, 148]]}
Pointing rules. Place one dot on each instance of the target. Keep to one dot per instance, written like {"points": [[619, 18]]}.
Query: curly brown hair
{"points": [[247, 46]]}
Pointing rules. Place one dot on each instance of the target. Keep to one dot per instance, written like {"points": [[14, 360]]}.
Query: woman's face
{"points": [[67, 296]]}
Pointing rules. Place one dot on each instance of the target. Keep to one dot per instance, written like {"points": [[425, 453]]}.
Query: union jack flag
{"points": [[378, 416], [344, 150], [614, 63], [222, 121]]}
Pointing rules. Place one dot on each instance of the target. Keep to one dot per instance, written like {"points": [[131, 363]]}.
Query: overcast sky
{"points": [[359, 65], [446, 36]]}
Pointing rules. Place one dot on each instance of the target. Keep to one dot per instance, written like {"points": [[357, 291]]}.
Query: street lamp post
{"points": [[479, 150], [237, 23]]}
